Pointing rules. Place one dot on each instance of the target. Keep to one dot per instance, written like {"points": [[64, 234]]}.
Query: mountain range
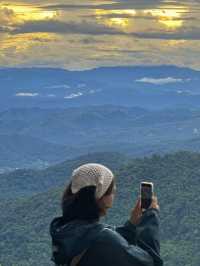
{"points": [[36, 138], [154, 87]]}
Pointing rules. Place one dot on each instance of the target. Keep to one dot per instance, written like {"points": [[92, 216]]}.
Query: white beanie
{"points": [[92, 174]]}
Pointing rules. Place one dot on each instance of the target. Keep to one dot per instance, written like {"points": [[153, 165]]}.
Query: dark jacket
{"points": [[128, 245]]}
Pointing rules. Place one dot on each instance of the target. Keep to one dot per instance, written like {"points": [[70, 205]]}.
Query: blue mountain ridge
{"points": [[154, 87]]}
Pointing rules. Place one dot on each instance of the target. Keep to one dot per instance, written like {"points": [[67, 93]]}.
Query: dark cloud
{"points": [[86, 28], [183, 34], [5, 29], [2, 29], [91, 40], [55, 26], [139, 4], [125, 51], [154, 3]]}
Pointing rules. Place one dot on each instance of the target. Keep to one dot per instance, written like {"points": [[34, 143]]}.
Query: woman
{"points": [[79, 238]]}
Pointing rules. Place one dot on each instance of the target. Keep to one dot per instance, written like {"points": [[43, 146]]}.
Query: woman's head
{"points": [[90, 193]]}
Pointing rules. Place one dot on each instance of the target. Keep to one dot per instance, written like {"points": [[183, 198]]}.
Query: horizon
{"points": [[98, 67]]}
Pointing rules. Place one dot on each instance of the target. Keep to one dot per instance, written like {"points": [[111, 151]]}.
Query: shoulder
{"points": [[110, 236], [106, 243]]}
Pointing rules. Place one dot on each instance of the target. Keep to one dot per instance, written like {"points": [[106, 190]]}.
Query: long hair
{"points": [[82, 205]]}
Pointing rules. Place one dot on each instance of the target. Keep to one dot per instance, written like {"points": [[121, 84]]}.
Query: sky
{"points": [[91, 33]]}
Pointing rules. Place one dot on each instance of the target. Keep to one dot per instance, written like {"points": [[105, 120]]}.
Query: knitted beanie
{"points": [[92, 174]]}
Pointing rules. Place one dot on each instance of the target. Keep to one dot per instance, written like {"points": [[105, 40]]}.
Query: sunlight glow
{"points": [[115, 18], [122, 22], [28, 12], [23, 42], [171, 18], [101, 12]]}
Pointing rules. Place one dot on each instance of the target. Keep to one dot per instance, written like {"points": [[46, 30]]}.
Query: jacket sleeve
{"points": [[128, 231], [147, 235]]}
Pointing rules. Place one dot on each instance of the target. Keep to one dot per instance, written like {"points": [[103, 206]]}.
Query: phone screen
{"points": [[146, 194]]}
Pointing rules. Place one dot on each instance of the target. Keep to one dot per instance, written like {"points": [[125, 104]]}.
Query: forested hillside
{"points": [[25, 221], [36, 138], [24, 182]]}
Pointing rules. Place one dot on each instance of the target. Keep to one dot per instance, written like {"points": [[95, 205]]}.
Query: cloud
{"points": [[88, 28], [139, 15], [59, 86], [6, 15], [26, 94], [73, 95], [160, 81], [5, 29], [90, 40], [125, 51], [117, 5], [182, 34], [56, 26], [82, 40]]}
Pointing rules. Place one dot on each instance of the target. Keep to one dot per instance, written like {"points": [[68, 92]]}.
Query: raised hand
{"points": [[136, 213]]}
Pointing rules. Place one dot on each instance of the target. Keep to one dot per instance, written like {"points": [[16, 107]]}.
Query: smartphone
{"points": [[146, 192]]}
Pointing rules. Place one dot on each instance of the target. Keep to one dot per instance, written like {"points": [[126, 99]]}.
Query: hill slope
{"points": [[23, 151], [24, 182], [36, 137]]}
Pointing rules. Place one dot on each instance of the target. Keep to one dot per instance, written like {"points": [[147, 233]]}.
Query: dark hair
{"points": [[82, 205]]}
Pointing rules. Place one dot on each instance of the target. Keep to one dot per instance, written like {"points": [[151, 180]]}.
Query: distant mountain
{"points": [[154, 87], [98, 125], [35, 137], [21, 151], [24, 223], [24, 182]]}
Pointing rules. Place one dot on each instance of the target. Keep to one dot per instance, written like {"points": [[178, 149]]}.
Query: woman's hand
{"points": [[154, 203], [136, 213]]}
